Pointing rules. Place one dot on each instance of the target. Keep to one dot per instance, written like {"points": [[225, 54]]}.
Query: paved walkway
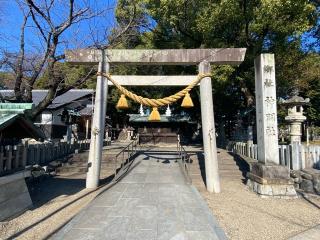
{"points": [[152, 202], [311, 234]]}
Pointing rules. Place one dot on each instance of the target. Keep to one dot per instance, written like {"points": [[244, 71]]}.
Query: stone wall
{"points": [[14, 195], [307, 180]]}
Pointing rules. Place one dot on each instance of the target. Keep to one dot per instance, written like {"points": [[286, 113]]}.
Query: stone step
{"points": [[229, 171], [85, 159], [226, 167], [83, 164], [238, 176], [219, 162], [194, 173], [234, 169], [71, 170], [230, 175], [220, 172], [78, 169]]}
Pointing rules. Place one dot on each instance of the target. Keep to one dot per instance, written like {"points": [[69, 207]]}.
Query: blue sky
{"points": [[78, 36], [11, 19]]}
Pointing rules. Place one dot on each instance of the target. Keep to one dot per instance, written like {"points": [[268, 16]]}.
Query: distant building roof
{"points": [[66, 98]]}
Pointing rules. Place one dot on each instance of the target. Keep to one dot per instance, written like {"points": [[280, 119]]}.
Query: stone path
{"points": [[311, 234], [152, 202]]}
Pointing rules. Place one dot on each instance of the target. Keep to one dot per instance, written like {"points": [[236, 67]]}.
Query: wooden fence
{"points": [[16, 158], [294, 156]]}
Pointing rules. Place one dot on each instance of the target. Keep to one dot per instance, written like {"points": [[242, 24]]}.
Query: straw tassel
{"points": [[187, 101], [155, 115], [122, 103]]}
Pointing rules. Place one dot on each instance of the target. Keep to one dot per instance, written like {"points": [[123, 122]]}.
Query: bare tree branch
{"points": [[76, 84], [30, 68], [20, 60], [38, 10], [38, 25]]}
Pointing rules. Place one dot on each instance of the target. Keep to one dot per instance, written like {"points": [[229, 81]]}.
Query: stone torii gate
{"points": [[201, 57]]}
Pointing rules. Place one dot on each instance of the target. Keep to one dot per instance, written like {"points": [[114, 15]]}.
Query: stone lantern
{"points": [[295, 116]]}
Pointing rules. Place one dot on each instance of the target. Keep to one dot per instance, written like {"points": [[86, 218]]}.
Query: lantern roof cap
{"points": [[295, 100]]}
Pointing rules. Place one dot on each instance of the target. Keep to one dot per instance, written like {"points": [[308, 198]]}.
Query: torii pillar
{"points": [[208, 131], [97, 127], [204, 57]]}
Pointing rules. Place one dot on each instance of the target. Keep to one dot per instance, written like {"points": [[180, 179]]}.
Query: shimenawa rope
{"points": [[150, 102]]}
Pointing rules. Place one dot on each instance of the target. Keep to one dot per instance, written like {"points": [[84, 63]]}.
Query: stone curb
{"points": [[212, 219]]}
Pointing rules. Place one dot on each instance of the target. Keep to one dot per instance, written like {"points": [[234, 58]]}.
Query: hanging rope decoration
{"points": [[155, 103], [122, 103]]}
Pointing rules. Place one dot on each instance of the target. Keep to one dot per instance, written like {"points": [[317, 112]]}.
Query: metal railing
{"points": [[184, 160], [124, 157]]}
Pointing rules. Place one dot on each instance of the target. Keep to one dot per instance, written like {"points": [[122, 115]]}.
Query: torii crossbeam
{"points": [[201, 57]]}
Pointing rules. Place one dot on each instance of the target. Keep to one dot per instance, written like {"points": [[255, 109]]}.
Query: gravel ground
{"points": [[243, 215]]}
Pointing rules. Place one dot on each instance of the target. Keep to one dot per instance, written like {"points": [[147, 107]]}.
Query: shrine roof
{"points": [[164, 118]]}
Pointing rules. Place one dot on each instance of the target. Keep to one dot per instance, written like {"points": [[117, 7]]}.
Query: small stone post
{"points": [[250, 139], [308, 135], [97, 128], [208, 130], [250, 135]]}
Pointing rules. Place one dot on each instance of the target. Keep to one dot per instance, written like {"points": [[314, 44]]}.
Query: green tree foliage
{"points": [[231, 23], [309, 71], [259, 25]]}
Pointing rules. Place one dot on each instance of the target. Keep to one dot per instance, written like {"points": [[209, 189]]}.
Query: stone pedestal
{"points": [[271, 181]]}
